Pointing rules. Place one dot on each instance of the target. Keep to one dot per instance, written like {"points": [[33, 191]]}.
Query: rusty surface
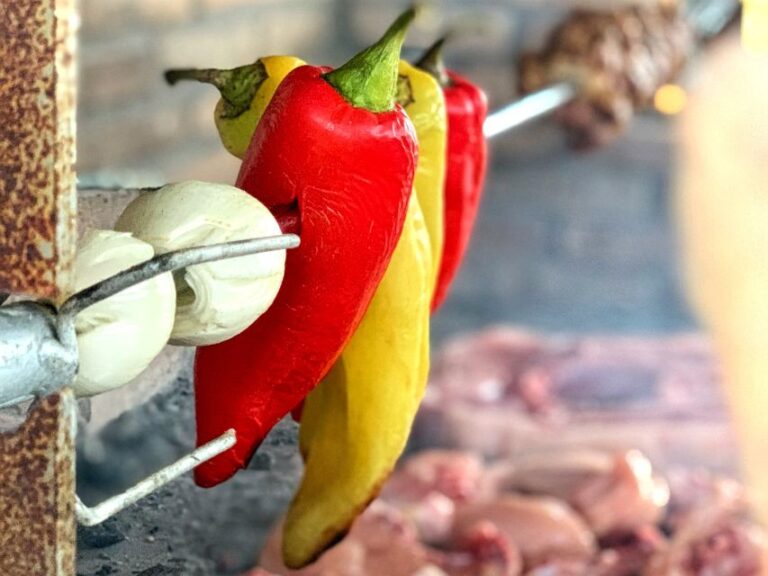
{"points": [[37, 491], [37, 149]]}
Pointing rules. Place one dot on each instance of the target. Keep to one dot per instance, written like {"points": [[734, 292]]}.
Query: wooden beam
{"points": [[37, 146]]}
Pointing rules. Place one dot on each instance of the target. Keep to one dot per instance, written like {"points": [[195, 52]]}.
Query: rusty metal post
{"points": [[37, 491], [37, 244], [37, 146]]}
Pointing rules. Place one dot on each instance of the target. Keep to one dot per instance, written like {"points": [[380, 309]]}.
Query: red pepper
{"points": [[334, 155], [467, 107]]}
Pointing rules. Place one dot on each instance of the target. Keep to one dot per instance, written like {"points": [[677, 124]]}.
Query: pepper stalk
{"points": [[369, 79], [432, 61], [237, 86]]}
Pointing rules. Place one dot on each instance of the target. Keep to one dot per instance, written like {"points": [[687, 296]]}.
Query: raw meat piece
{"points": [[428, 486], [559, 473], [707, 546], [614, 493], [541, 528], [456, 475], [695, 490], [628, 554], [629, 497], [482, 550]]}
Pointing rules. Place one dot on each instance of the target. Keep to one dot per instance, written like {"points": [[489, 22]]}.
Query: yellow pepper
{"points": [[422, 97], [355, 424], [245, 93]]}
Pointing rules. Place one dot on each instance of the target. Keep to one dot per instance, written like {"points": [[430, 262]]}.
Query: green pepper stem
{"points": [[432, 62], [238, 86], [369, 79]]}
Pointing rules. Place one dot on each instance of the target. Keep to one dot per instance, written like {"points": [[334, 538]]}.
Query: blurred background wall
{"points": [[565, 241], [131, 121]]}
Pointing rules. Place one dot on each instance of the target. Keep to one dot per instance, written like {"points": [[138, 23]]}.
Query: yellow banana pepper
{"points": [[245, 93], [355, 424], [422, 97]]}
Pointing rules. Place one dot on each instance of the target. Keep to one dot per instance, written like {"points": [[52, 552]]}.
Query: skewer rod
{"points": [[529, 108], [98, 514], [173, 261]]}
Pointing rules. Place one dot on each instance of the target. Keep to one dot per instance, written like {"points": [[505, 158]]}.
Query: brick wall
{"points": [[132, 127]]}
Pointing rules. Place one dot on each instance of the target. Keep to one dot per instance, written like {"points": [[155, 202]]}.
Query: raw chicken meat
{"points": [[712, 546], [605, 516], [540, 527], [627, 498], [615, 493], [456, 475], [428, 487], [485, 550], [559, 474]]}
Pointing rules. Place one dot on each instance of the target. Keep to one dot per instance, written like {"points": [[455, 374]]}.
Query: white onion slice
{"points": [[216, 300], [118, 337]]}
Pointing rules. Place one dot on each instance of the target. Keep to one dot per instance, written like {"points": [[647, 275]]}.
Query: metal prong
{"points": [[710, 18], [173, 261], [16, 401], [98, 514], [529, 108]]}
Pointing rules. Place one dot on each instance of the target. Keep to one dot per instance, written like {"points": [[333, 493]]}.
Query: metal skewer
{"points": [[17, 401], [528, 108], [101, 512], [173, 261]]}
